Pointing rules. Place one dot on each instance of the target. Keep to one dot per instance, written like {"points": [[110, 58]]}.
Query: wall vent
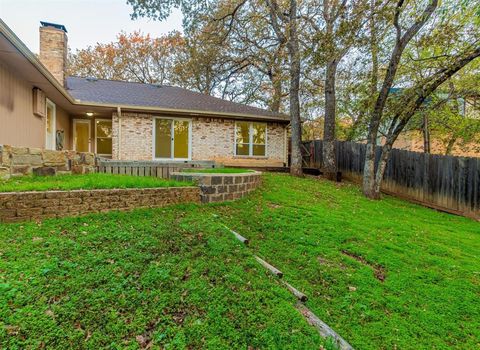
{"points": [[39, 102]]}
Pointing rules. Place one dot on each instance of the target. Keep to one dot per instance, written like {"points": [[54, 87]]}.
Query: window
{"points": [[103, 133], [250, 139]]}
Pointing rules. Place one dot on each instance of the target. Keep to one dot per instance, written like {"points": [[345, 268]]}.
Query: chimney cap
{"points": [[54, 25]]}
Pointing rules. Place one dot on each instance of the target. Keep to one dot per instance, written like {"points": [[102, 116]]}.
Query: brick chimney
{"points": [[54, 49]]}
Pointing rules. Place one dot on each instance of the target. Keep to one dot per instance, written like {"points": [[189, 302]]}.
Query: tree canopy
{"points": [[370, 69]]}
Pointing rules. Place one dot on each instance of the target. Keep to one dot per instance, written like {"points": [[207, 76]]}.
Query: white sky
{"points": [[87, 21]]}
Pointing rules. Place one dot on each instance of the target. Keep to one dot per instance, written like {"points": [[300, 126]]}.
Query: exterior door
{"points": [[81, 135], [50, 130], [172, 139]]}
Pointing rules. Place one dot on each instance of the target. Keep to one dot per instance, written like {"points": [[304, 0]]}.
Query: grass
{"points": [[337, 246], [86, 182], [172, 278], [218, 171], [384, 274]]}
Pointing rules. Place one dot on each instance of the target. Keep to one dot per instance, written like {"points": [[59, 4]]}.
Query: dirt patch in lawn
{"points": [[378, 270], [273, 205], [329, 263]]}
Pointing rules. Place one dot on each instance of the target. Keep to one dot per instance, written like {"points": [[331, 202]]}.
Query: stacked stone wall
{"points": [[25, 206], [222, 187], [18, 161]]}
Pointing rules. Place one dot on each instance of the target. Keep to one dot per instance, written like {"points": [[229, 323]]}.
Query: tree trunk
{"points": [[276, 80], [329, 156], [450, 144], [426, 134], [373, 52], [382, 165], [296, 126], [369, 169]]}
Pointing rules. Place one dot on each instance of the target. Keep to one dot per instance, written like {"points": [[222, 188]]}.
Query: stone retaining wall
{"points": [[222, 187], [18, 161], [24, 206]]}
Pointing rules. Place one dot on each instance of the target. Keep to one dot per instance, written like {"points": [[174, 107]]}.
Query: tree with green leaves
{"points": [[334, 27], [394, 111]]}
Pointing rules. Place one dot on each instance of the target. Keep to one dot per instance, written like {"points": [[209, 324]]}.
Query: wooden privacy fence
{"points": [[442, 182], [156, 169]]}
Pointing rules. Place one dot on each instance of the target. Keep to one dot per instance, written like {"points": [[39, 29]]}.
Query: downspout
{"points": [[285, 145], [119, 141]]}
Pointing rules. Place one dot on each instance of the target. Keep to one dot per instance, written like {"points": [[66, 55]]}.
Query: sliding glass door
{"points": [[172, 139]]}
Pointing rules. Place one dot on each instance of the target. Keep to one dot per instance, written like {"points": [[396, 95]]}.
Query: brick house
{"points": [[42, 107]]}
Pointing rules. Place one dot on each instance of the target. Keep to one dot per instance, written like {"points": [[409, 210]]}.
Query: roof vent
{"points": [[92, 79], [54, 25]]}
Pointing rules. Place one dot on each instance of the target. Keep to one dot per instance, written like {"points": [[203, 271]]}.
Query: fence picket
{"points": [[443, 182]]}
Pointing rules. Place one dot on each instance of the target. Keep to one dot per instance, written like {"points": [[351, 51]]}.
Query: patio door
{"points": [[172, 138], [81, 135]]}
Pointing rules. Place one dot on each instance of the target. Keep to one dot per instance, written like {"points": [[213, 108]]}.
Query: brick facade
{"points": [[132, 136], [24, 206], [212, 139]]}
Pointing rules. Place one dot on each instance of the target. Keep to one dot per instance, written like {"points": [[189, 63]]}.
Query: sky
{"points": [[87, 21]]}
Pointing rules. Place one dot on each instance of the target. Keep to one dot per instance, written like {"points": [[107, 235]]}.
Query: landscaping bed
{"points": [[85, 182], [37, 198], [220, 187]]}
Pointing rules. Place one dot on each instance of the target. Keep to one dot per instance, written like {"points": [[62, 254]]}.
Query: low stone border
{"points": [[25, 206], [221, 187]]}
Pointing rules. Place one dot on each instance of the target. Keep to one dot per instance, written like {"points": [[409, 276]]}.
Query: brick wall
{"points": [[17, 161], [136, 131], [215, 138], [212, 139], [24, 206], [222, 187]]}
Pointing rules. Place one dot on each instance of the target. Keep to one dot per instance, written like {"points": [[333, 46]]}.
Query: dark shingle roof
{"points": [[161, 96]]}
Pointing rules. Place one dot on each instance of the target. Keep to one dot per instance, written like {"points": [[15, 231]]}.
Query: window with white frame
{"points": [[103, 137], [250, 139]]}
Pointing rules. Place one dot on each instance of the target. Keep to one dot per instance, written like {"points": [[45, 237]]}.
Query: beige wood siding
{"points": [[18, 125]]}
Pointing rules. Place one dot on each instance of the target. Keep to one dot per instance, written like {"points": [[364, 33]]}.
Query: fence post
{"points": [[312, 154], [426, 172]]}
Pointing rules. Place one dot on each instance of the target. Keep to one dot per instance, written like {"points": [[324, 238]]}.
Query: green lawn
{"points": [[384, 274], [171, 277], [86, 182], [330, 242], [218, 171]]}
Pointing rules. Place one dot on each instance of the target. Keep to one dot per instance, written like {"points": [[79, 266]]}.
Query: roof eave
{"points": [[190, 112]]}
